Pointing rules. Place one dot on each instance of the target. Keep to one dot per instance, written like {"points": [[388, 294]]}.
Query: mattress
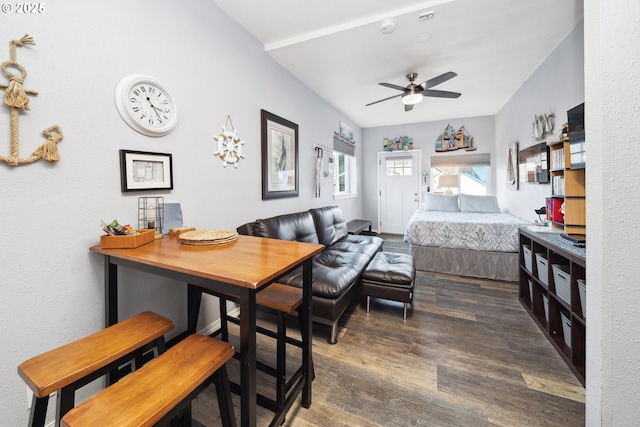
{"points": [[493, 232]]}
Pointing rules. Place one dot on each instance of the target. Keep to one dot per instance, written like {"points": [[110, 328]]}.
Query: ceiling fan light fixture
{"points": [[412, 98]]}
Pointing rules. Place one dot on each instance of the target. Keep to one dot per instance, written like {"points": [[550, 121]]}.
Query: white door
{"points": [[398, 189]]}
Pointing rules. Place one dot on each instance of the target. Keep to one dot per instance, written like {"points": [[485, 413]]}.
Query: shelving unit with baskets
{"points": [[553, 291]]}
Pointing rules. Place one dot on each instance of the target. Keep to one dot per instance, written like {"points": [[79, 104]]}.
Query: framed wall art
{"points": [[141, 171], [279, 157]]}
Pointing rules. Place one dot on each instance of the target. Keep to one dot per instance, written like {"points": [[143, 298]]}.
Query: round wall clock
{"points": [[145, 105]]}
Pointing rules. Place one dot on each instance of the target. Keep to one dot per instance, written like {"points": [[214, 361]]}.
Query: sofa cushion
{"points": [[330, 224], [295, 227], [368, 245], [333, 272], [391, 269]]}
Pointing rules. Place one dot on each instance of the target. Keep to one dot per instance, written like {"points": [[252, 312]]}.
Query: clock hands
{"points": [[155, 109]]}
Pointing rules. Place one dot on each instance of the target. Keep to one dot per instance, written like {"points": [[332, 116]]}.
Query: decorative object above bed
{"points": [[451, 140]]}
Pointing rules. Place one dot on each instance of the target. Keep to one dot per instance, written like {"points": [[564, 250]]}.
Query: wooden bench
{"points": [[357, 226], [67, 368], [162, 389], [282, 300]]}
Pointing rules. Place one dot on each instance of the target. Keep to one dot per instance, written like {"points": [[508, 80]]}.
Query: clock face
{"points": [[145, 105]]}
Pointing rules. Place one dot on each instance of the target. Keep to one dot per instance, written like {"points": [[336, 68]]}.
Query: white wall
{"points": [[424, 137], [612, 108], [51, 286], [556, 85]]}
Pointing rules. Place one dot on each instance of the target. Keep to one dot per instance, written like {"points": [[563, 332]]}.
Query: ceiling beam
{"points": [[304, 37]]}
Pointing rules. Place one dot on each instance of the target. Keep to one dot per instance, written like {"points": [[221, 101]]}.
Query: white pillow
{"points": [[440, 202], [483, 204]]}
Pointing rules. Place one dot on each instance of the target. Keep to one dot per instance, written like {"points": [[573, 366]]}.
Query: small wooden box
{"points": [[127, 242]]}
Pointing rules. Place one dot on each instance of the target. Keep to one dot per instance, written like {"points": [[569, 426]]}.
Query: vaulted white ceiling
{"points": [[337, 48]]}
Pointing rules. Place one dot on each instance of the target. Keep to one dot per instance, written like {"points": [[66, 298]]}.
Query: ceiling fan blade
{"points": [[408, 107], [392, 86], [439, 79], [385, 99], [440, 93]]}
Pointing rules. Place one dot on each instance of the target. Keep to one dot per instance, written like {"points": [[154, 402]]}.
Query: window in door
{"points": [[399, 167]]}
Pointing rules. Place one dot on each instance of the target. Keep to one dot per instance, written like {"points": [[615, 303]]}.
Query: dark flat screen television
{"points": [[533, 164], [575, 119]]}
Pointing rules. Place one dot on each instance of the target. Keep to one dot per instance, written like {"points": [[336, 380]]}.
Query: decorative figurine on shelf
{"points": [[17, 98], [229, 145]]}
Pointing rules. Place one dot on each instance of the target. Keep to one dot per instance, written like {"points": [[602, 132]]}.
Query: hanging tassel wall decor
{"points": [[17, 98]]}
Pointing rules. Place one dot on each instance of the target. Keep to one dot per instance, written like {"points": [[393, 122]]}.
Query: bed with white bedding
{"points": [[465, 235]]}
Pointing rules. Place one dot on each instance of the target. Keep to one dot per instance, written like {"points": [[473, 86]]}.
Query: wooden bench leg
{"points": [[38, 415], [194, 298], [281, 354], [223, 392], [224, 325], [302, 316], [64, 401]]}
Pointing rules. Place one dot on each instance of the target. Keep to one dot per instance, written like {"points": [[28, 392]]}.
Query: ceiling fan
{"points": [[413, 93]]}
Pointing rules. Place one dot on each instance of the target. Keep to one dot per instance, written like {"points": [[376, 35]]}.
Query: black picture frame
{"points": [[280, 175], [145, 171]]}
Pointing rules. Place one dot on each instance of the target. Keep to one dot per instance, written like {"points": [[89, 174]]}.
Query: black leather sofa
{"points": [[336, 270]]}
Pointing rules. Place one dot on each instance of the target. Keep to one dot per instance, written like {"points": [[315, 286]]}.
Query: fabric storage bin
{"points": [[566, 327], [545, 303], [528, 259], [562, 280], [543, 268], [530, 291], [582, 288]]}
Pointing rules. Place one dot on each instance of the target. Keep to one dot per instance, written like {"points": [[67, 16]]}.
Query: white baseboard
{"points": [[214, 326]]}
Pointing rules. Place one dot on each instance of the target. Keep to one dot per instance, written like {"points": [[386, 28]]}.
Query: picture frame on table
{"points": [[143, 171], [280, 175]]}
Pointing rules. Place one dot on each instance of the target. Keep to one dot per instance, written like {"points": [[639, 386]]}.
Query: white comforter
{"points": [[496, 232]]}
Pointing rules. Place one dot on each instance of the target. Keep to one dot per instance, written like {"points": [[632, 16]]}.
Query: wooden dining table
{"points": [[240, 269]]}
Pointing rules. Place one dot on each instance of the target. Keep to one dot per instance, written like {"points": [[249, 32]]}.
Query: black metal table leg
{"points": [[194, 297], [307, 278], [110, 302], [248, 356]]}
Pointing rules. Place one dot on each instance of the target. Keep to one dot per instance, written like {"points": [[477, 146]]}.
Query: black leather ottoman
{"points": [[390, 276]]}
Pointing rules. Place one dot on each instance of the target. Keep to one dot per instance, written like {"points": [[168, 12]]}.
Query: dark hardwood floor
{"points": [[468, 355]]}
